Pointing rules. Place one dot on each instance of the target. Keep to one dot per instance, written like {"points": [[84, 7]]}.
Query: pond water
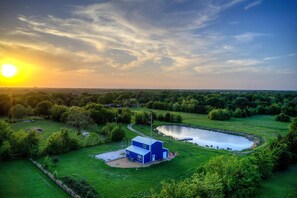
{"points": [[206, 138]]}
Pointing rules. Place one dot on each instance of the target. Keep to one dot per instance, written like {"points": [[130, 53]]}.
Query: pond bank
{"points": [[256, 140]]}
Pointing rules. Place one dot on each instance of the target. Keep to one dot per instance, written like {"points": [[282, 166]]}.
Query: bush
{"points": [[282, 118], [142, 118], [60, 142], [117, 133], [113, 131], [219, 114], [5, 151], [81, 187], [239, 113]]}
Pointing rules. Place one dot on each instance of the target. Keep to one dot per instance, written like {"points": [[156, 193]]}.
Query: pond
{"points": [[206, 138]]}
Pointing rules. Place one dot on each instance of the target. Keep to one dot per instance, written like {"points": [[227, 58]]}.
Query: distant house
{"points": [[145, 150]]}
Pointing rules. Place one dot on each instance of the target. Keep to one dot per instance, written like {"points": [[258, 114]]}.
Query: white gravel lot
{"points": [[110, 156]]}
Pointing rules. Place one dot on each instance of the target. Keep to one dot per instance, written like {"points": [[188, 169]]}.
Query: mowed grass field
{"points": [[20, 178], [117, 182], [281, 184], [49, 127]]}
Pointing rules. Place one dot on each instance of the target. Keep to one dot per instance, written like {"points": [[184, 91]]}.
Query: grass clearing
{"points": [[20, 178], [281, 184], [49, 127], [118, 182]]}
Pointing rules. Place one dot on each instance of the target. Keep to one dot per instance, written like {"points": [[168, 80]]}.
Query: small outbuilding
{"points": [[145, 150]]}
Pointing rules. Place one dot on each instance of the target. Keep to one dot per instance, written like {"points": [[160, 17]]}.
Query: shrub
{"points": [[282, 118], [81, 187], [239, 113], [117, 133], [113, 132], [5, 151], [219, 114], [142, 118], [60, 142]]}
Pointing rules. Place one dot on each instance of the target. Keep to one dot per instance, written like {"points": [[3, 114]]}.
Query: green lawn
{"points": [[117, 182], [49, 127], [20, 178], [281, 184]]}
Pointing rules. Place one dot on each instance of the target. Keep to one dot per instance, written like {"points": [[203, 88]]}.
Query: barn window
{"points": [[139, 157], [144, 146]]}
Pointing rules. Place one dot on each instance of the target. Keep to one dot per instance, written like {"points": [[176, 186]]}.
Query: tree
{"points": [[282, 118], [167, 117], [142, 118], [239, 113], [124, 116], [241, 102], [32, 143], [30, 111], [5, 131], [99, 114], [113, 131], [264, 160], [18, 111], [60, 142], [79, 118], [5, 150], [44, 108], [291, 138], [117, 133], [4, 104], [57, 112], [219, 114]]}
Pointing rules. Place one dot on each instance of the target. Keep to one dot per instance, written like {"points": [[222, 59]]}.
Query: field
{"points": [[115, 182], [280, 184], [48, 127], [132, 181], [21, 179]]}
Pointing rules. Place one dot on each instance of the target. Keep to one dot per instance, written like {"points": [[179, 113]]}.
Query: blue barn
{"points": [[145, 150]]}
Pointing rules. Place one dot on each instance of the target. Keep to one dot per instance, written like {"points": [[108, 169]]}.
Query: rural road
{"points": [[130, 127]]}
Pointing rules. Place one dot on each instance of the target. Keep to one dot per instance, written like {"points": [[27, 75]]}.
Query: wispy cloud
{"points": [[243, 62], [253, 4], [249, 36], [277, 57], [137, 38]]}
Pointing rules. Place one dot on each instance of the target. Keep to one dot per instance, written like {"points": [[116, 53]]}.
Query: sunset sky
{"points": [[150, 43]]}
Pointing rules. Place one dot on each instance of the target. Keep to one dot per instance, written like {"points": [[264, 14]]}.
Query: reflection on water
{"points": [[207, 138]]}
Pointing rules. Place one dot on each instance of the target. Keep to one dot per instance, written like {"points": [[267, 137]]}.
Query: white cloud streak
{"points": [[253, 4]]}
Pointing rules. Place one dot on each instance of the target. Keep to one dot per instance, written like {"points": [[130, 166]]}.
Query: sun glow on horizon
{"points": [[8, 70]]}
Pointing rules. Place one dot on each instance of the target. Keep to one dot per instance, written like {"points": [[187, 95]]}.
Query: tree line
{"points": [[194, 101]]}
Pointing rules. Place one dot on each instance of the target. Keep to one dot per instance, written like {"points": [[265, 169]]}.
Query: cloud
{"points": [[277, 57], [126, 35], [243, 62], [253, 4], [248, 36]]}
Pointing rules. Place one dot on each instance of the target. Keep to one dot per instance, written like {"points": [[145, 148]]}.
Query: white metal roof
{"points": [[145, 140], [138, 150]]}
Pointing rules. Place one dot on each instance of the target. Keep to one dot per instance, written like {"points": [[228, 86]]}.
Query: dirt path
{"points": [[130, 127]]}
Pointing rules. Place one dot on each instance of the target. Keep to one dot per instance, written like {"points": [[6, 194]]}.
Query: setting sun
{"points": [[8, 70]]}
